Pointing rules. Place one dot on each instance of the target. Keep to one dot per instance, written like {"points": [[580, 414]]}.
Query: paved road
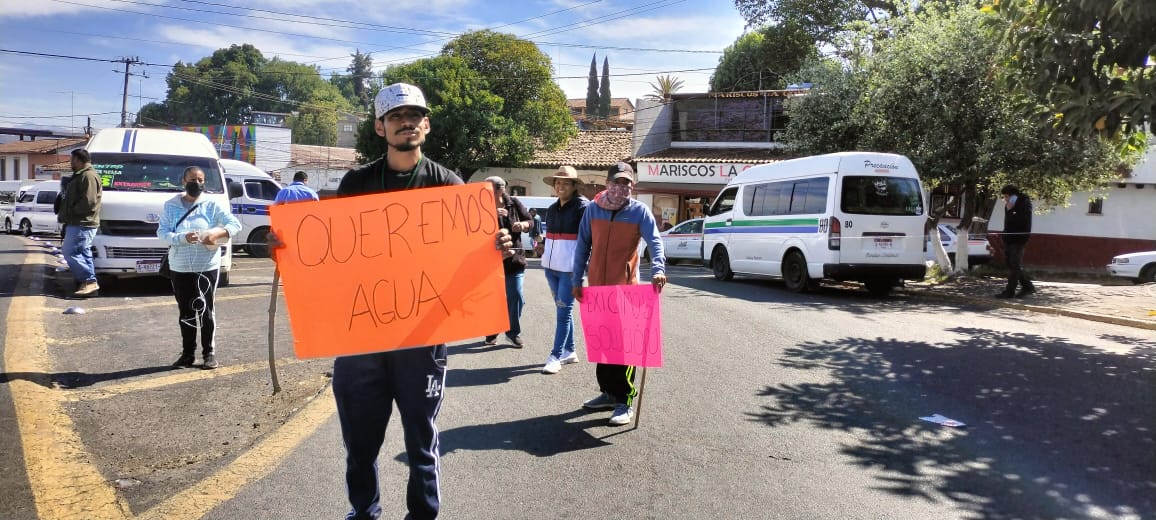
{"points": [[772, 405]]}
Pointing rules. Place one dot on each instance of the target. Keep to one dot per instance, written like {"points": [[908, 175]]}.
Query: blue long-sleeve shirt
{"points": [[607, 245], [194, 258], [297, 191]]}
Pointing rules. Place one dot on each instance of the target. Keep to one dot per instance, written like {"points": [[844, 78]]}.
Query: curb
{"points": [[1090, 316]]}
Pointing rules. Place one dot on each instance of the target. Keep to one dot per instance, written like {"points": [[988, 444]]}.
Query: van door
{"points": [[42, 217], [882, 220], [717, 227]]}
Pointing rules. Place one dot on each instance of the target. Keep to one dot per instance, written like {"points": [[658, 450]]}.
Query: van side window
{"points": [[261, 190], [46, 197], [26, 197], [725, 201], [810, 196]]}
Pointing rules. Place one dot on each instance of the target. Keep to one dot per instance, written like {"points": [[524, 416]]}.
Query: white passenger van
{"points": [[33, 211], [140, 169], [9, 192], [251, 205], [844, 216]]}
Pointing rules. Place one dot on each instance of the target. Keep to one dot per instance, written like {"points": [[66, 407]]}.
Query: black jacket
{"points": [[515, 212], [1017, 223], [376, 177]]}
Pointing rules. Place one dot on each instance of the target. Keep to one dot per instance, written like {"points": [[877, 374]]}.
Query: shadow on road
{"points": [[68, 380], [539, 436], [1055, 429], [458, 377]]}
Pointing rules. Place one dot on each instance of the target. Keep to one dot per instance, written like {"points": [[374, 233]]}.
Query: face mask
{"points": [[618, 194], [194, 188]]}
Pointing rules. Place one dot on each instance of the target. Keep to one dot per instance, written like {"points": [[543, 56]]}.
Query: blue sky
{"points": [[41, 92]]}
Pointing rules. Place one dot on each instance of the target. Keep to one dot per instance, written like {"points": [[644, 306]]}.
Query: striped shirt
{"points": [[194, 258]]}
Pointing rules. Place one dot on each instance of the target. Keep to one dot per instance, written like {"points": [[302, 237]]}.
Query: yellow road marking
{"points": [[167, 303], [183, 376], [255, 464], [65, 485]]}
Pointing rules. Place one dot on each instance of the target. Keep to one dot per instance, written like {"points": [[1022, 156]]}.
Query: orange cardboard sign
{"points": [[391, 270]]}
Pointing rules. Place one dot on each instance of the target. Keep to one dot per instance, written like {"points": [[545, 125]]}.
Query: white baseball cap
{"points": [[398, 95]]}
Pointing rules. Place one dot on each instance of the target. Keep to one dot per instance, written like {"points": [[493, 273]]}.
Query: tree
{"points": [[663, 87], [592, 97], [522, 76], [604, 90], [217, 89], [360, 71], [1090, 62], [468, 131], [760, 60], [822, 19], [824, 120]]}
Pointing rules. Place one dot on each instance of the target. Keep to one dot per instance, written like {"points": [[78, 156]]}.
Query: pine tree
{"points": [[361, 70], [604, 90], [592, 89]]}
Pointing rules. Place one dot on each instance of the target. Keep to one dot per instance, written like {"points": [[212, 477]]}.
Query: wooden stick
{"points": [[638, 399], [272, 324]]}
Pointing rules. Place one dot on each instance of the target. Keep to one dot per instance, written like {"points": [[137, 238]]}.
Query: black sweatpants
{"points": [[1015, 266], [617, 381], [194, 293]]}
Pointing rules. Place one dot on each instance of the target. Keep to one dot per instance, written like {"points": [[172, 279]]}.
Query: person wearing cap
{"points": [[367, 386], [1017, 229], [563, 218], [512, 215], [607, 254]]}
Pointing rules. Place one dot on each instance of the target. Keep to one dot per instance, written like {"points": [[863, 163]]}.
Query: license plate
{"points": [[882, 243], [148, 266]]}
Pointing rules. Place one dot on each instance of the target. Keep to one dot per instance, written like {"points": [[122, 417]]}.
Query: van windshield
{"points": [[881, 196], [147, 172]]}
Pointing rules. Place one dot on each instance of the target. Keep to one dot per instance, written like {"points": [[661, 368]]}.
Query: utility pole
{"points": [[128, 62]]}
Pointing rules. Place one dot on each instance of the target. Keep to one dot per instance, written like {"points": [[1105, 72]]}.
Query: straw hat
{"points": [[564, 172]]}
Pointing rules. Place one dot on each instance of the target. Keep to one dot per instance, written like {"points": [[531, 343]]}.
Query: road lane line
{"points": [[178, 377], [65, 484], [251, 466], [167, 303]]}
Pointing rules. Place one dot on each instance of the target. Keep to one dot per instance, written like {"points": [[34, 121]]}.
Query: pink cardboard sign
{"points": [[622, 325]]}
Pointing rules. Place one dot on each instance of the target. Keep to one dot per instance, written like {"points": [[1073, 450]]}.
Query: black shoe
{"points": [[185, 361], [517, 341], [1004, 295], [210, 362], [1025, 292], [491, 340]]}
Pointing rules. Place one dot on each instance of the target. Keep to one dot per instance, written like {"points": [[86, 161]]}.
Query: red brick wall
{"points": [[1073, 252]]}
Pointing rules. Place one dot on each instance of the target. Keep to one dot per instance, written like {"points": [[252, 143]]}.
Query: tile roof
{"points": [[724, 155], [62, 166], [42, 145], [591, 149], [327, 157]]}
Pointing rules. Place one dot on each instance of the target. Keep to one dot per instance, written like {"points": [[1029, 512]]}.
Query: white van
{"points": [[844, 216], [33, 211], [540, 204], [251, 205], [9, 192], [140, 169]]}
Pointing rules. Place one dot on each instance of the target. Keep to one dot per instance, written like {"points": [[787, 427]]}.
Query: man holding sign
{"points": [[366, 386], [608, 241]]}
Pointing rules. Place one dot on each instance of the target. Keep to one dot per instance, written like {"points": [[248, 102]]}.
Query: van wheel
{"points": [[879, 287], [795, 272], [7, 226], [721, 265], [26, 227], [257, 243]]}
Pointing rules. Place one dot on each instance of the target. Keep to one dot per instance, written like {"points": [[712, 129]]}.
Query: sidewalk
{"points": [[1128, 305]]}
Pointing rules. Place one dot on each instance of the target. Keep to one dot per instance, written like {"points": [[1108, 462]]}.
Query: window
{"points": [[156, 173], [26, 197], [725, 201], [347, 128], [519, 191], [46, 197], [4, 169], [772, 198], [810, 196], [261, 190], [881, 196], [16, 168], [1096, 206]]}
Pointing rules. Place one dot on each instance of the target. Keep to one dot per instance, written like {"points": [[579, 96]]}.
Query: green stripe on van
{"points": [[768, 222]]}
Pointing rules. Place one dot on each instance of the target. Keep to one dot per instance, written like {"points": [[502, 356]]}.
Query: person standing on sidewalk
{"points": [[296, 191], [512, 215], [193, 227], [366, 386], [563, 218], [608, 241], [1017, 229], [80, 216]]}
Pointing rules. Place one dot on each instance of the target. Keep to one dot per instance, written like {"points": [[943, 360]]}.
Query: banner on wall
{"points": [[237, 142]]}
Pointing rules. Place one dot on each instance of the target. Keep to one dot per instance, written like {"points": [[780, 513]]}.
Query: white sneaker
{"points": [[552, 366], [569, 358], [622, 415]]}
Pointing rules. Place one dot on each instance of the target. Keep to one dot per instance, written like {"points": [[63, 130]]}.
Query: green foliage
{"points": [[663, 87], [604, 90], [522, 76], [822, 19], [824, 120], [762, 59], [1091, 62], [467, 131], [592, 97], [360, 72]]}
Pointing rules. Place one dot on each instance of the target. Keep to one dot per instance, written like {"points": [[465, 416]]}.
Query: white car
{"points": [[978, 248], [1140, 267], [681, 242]]}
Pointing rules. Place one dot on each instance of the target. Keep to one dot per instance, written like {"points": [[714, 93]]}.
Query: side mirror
{"points": [[235, 189]]}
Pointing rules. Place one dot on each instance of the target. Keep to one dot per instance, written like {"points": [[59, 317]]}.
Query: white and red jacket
{"points": [[562, 223]]}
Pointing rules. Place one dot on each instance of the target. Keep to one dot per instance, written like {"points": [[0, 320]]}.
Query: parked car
{"points": [[978, 248], [33, 211], [1140, 267], [681, 242]]}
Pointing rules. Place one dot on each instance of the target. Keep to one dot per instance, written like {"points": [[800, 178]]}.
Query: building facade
{"points": [[28, 160]]}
